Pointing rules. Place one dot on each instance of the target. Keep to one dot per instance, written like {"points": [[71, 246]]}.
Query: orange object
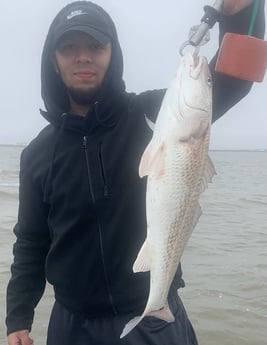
{"points": [[243, 57]]}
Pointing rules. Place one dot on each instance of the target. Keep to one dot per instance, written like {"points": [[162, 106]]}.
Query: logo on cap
{"points": [[75, 13]]}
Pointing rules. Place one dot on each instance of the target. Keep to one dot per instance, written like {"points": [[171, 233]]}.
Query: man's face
{"points": [[82, 63]]}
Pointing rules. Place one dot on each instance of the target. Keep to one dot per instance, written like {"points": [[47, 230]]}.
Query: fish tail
{"points": [[131, 325], [164, 314]]}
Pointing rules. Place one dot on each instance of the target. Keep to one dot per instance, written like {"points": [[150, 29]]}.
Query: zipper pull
{"points": [[85, 140]]}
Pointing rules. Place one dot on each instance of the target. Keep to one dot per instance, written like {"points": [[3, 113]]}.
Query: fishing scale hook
{"points": [[199, 34]]}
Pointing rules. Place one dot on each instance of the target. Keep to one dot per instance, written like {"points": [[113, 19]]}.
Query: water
{"points": [[225, 262]]}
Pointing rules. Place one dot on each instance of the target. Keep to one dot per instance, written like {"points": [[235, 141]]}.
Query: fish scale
{"points": [[178, 168]]}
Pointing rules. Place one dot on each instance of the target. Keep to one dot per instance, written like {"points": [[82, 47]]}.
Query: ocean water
{"points": [[224, 264]]}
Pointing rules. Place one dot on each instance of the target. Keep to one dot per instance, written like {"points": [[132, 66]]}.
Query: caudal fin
{"points": [[164, 313], [130, 325]]}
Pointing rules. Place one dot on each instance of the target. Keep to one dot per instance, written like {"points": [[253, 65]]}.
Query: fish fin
{"points": [[150, 124], [210, 169], [164, 313], [153, 160], [131, 325], [197, 214], [209, 172], [142, 262]]}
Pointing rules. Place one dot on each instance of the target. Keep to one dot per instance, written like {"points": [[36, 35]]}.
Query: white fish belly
{"points": [[172, 206]]}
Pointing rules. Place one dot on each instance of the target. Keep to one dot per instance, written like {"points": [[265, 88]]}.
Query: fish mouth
{"points": [[196, 66]]}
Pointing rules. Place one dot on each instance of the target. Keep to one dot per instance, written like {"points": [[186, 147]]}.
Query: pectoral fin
{"points": [[153, 160]]}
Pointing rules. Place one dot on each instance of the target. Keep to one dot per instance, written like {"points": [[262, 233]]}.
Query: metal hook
{"points": [[199, 34], [187, 43]]}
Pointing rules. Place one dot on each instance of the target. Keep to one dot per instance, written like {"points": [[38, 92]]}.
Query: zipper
{"points": [[102, 169], [85, 147], [85, 140]]}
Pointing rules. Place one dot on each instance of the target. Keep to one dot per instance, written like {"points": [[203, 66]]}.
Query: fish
{"points": [[178, 170]]}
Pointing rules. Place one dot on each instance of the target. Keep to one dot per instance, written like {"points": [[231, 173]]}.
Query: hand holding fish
{"points": [[231, 7]]}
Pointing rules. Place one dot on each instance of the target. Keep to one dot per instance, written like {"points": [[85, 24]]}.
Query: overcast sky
{"points": [[150, 33]]}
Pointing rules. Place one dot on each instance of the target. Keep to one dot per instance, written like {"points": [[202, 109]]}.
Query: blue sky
{"points": [[150, 34]]}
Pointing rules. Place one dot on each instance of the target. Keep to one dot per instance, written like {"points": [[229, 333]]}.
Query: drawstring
{"points": [[48, 182]]}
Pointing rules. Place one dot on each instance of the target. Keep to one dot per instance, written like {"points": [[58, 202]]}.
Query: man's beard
{"points": [[83, 97]]}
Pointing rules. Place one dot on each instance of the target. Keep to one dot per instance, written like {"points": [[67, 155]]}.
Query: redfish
{"points": [[178, 168]]}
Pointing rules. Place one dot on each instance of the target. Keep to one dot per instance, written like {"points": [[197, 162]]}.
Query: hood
{"points": [[52, 88]]}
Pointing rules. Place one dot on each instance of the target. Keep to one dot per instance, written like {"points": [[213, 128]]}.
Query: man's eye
{"points": [[70, 46], [95, 46], [67, 47]]}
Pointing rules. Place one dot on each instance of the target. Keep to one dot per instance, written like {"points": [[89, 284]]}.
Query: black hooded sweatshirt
{"points": [[81, 218]]}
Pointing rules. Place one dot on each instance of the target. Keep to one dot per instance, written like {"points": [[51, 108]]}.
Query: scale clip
{"points": [[199, 34]]}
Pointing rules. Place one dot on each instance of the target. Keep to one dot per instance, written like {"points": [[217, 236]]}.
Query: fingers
{"points": [[19, 338]]}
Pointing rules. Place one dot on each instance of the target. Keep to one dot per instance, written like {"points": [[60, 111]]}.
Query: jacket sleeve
{"points": [[27, 282], [150, 102], [227, 91]]}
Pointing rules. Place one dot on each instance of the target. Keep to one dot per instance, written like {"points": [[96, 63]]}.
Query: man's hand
{"points": [[233, 6], [19, 338]]}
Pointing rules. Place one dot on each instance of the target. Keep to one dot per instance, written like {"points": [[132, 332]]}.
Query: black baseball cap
{"points": [[86, 19]]}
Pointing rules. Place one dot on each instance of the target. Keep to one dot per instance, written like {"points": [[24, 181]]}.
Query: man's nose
{"points": [[84, 56]]}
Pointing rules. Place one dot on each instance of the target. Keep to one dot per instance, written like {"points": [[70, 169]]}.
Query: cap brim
{"points": [[97, 35]]}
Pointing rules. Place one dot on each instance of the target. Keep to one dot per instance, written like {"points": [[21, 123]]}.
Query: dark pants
{"points": [[67, 328]]}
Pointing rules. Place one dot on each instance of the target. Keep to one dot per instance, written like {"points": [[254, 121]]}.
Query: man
{"points": [[81, 215]]}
